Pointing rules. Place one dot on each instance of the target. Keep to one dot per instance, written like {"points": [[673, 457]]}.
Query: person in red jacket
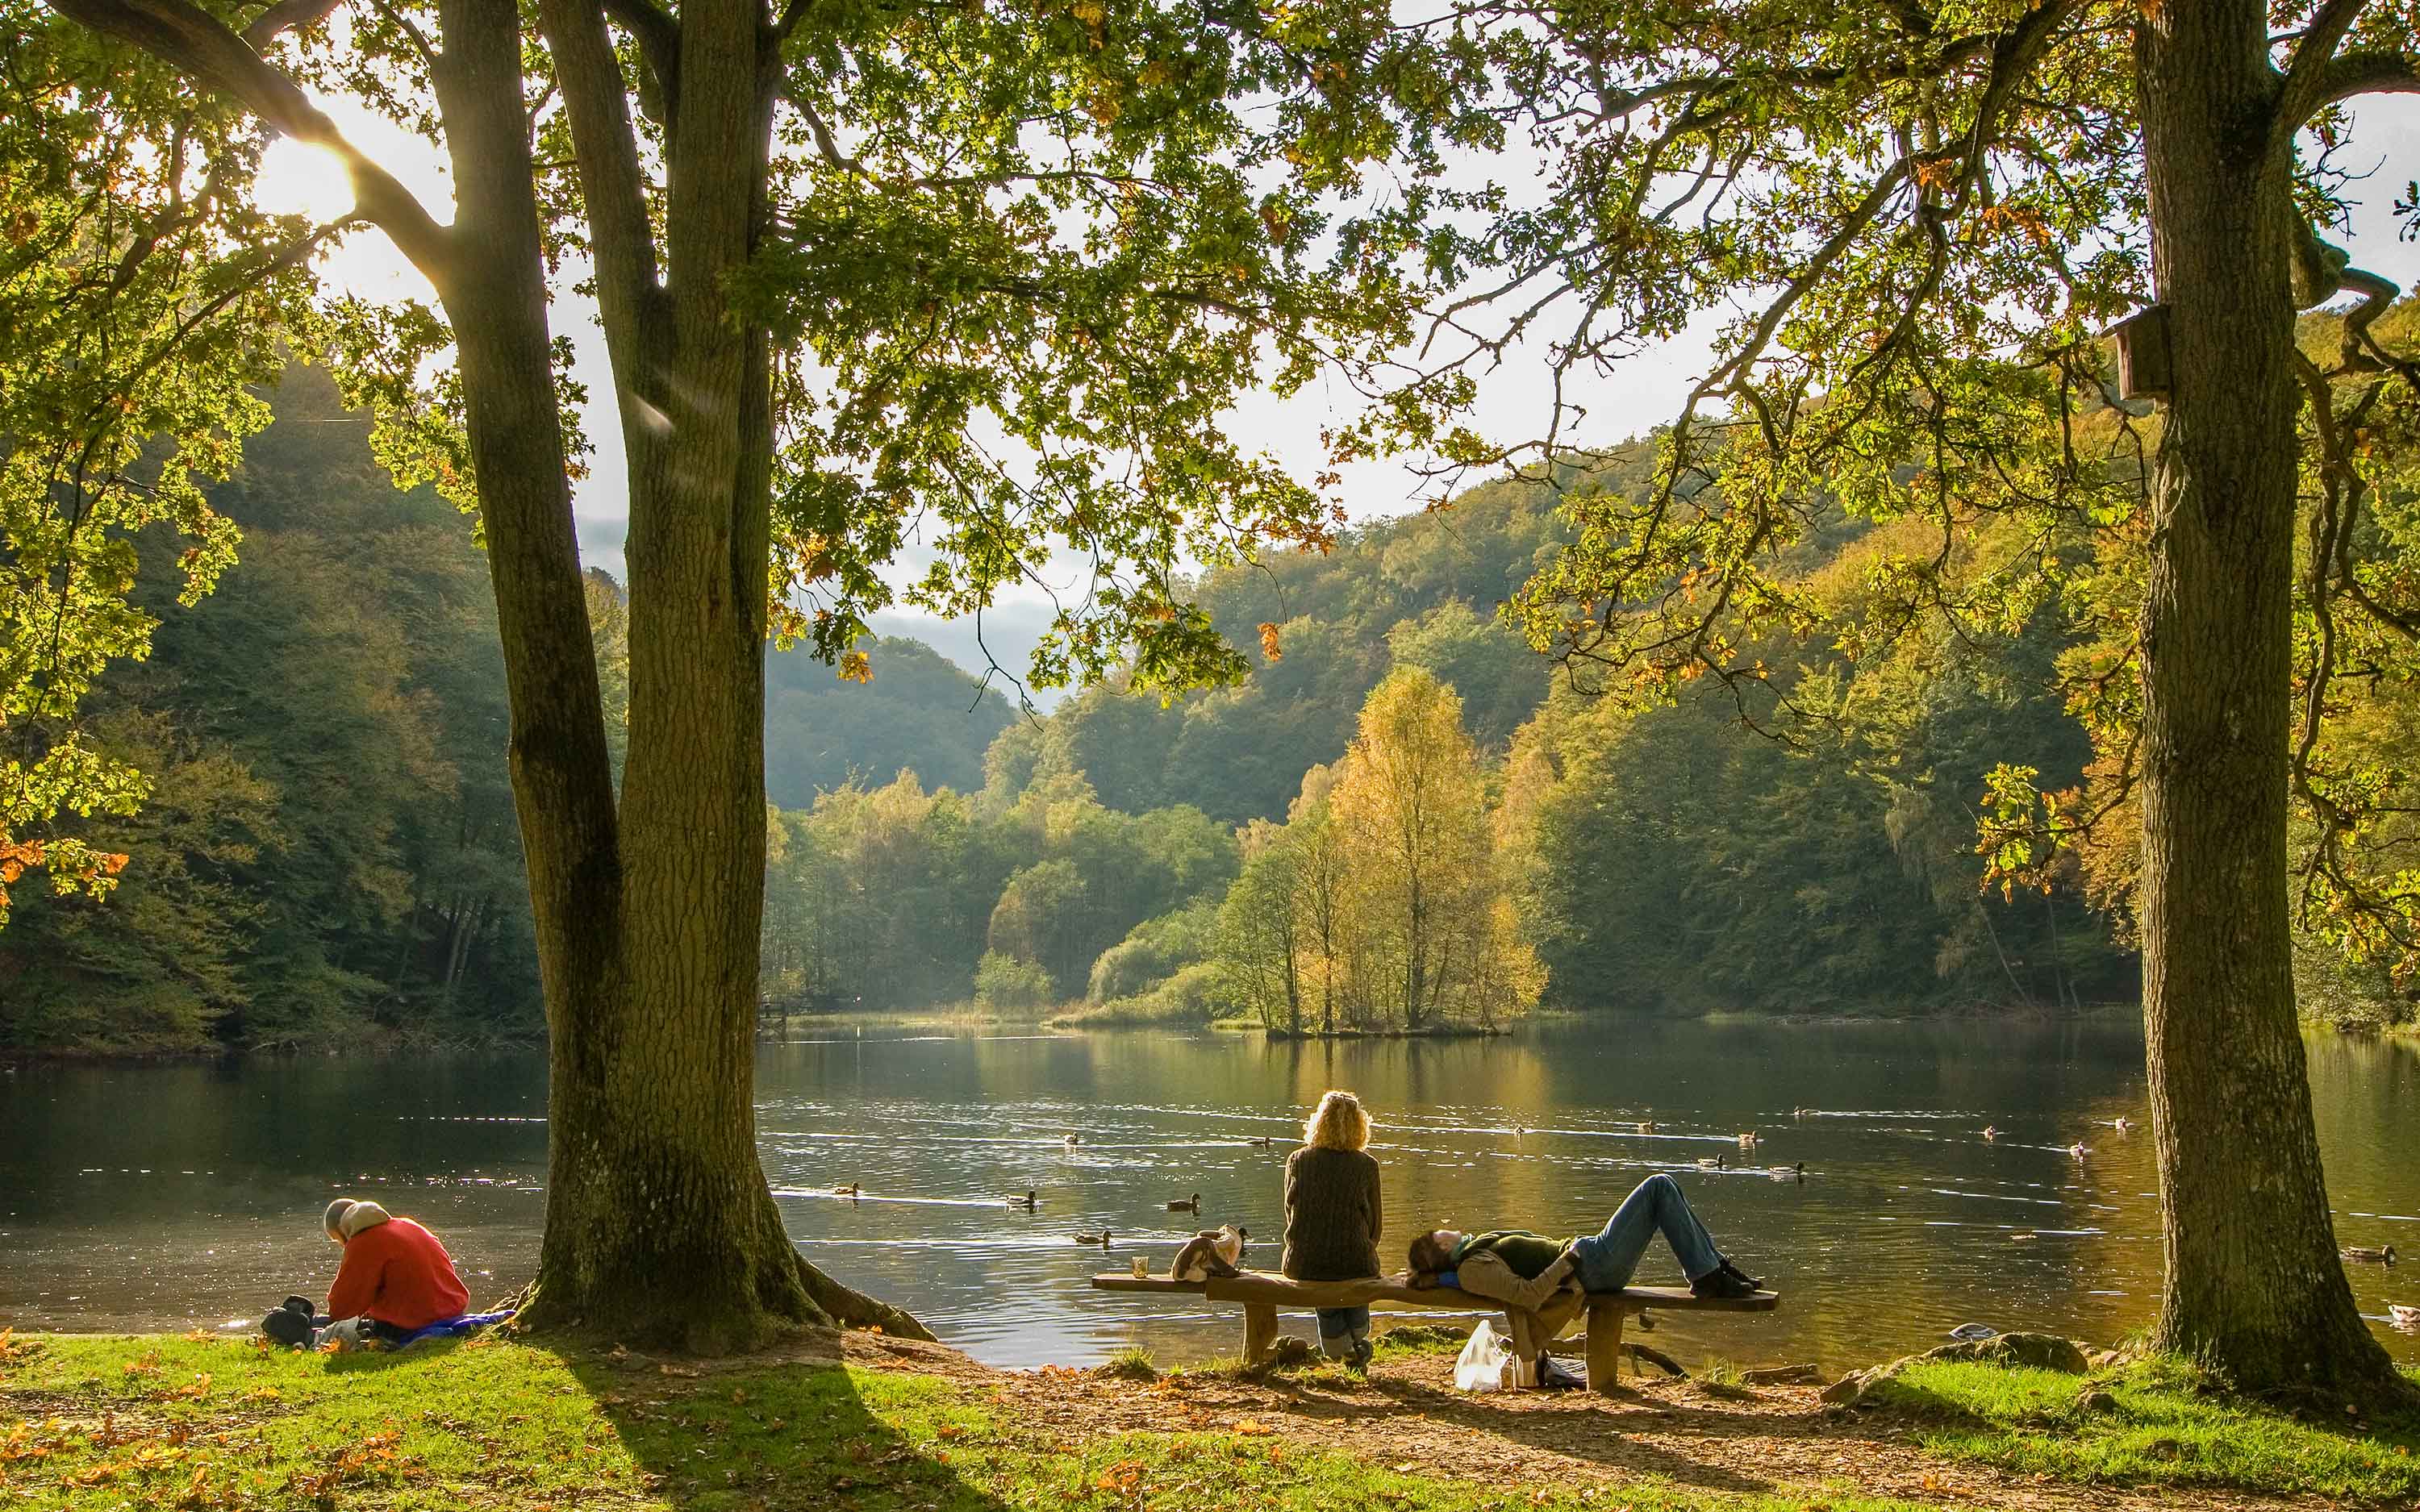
{"points": [[395, 1280]]}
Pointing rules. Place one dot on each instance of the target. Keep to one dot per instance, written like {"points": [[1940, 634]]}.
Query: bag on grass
{"points": [[1483, 1358]]}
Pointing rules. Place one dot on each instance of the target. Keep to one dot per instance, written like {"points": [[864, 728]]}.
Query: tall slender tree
{"points": [[977, 271], [1261, 954], [1322, 868], [1413, 812], [1929, 213]]}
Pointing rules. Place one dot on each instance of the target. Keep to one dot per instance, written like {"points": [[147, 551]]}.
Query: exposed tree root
{"points": [[716, 1326], [852, 1308]]}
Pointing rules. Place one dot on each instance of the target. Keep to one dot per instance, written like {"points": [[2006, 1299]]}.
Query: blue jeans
{"points": [[1342, 1323], [1607, 1260]]}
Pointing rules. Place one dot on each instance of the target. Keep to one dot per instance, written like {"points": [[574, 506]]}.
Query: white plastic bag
{"points": [[1483, 1358]]}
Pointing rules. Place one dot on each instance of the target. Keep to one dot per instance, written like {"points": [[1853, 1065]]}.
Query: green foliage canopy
{"points": [[140, 293]]}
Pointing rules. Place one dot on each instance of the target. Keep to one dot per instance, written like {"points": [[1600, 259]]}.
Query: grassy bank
{"points": [[2150, 1422], [100, 1424], [94, 1423]]}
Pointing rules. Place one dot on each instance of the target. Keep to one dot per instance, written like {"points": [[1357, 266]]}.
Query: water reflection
{"points": [[140, 1196]]}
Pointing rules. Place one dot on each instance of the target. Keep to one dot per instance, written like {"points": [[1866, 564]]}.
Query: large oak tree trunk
{"points": [[660, 1226], [2254, 1280]]}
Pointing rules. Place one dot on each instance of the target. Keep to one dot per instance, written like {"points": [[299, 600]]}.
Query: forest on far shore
{"points": [[330, 855]]}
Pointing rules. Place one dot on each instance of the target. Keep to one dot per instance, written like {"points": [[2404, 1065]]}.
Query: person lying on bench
{"points": [[395, 1280], [1525, 1271]]}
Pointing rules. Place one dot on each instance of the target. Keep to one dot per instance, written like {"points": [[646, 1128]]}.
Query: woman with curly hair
{"points": [[1332, 1217]]}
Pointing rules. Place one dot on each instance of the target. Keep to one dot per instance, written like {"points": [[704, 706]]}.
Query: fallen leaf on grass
{"points": [[1246, 1428], [675, 1371]]}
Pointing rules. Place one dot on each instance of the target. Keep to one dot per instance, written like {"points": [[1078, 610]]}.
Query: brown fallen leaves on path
{"points": [[1744, 1440]]}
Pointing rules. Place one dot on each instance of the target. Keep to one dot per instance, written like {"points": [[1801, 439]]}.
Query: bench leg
{"points": [[1604, 1345], [1259, 1331]]}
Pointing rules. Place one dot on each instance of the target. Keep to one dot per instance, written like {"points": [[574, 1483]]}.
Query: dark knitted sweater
{"points": [[1332, 1214]]}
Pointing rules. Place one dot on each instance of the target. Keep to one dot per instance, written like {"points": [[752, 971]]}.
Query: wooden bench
{"points": [[1264, 1294]]}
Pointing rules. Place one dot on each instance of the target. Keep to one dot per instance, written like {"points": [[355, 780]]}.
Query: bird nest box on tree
{"points": [[2145, 366]]}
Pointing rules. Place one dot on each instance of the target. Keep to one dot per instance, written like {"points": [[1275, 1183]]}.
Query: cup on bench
{"points": [[1141, 1269]]}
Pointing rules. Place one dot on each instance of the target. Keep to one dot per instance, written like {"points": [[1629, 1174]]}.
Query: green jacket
{"points": [[1528, 1253], [1517, 1268]]}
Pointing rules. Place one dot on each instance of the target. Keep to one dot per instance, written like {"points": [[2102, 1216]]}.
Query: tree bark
{"points": [[2254, 1280], [660, 1224]]}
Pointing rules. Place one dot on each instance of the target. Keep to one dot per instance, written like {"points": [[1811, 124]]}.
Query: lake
{"points": [[159, 1196]]}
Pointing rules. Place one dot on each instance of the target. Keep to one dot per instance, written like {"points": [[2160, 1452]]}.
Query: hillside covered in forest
{"points": [[330, 848]]}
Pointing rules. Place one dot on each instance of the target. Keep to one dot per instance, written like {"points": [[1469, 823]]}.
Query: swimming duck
{"points": [[1191, 1204], [1026, 1203], [2376, 1257], [2121, 1123], [1802, 1113], [2404, 1313], [1102, 1239], [1990, 1132], [1647, 1126], [1072, 1140], [2079, 1150], [850, 1191], [1710, 1163], [1788, 1173], [1265, 1141], [1750, 1141]]}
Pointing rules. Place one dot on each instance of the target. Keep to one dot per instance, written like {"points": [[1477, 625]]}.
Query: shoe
{"points": [[1753, 1283], [299, 1305], [1723, 1282], [1359, 1361], [288, 1328]]}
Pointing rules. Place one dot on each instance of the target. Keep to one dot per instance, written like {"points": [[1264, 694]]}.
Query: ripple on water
{"points": [[1897, 1234]]}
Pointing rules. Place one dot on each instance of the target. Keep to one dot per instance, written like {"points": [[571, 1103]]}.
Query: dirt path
{"points": [[1772, 1440]]}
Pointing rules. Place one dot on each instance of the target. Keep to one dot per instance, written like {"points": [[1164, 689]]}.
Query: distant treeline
{"points": [[330, 853]]}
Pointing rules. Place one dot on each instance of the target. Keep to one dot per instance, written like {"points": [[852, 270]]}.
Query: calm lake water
{"points": [[142, 1198]]}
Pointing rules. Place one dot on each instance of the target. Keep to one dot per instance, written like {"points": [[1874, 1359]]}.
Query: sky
{"points": [[1643, 391]]}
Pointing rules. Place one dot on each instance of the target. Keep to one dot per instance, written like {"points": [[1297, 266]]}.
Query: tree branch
{"points": [[827, 146], [658, 38], [2363, 73], [2306, 69], [198, 45], [613, 187], [283, 17]]}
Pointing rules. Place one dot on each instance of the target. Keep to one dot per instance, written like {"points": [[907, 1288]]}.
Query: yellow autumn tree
{"points": [[1440, 942], [1330, 942]]}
